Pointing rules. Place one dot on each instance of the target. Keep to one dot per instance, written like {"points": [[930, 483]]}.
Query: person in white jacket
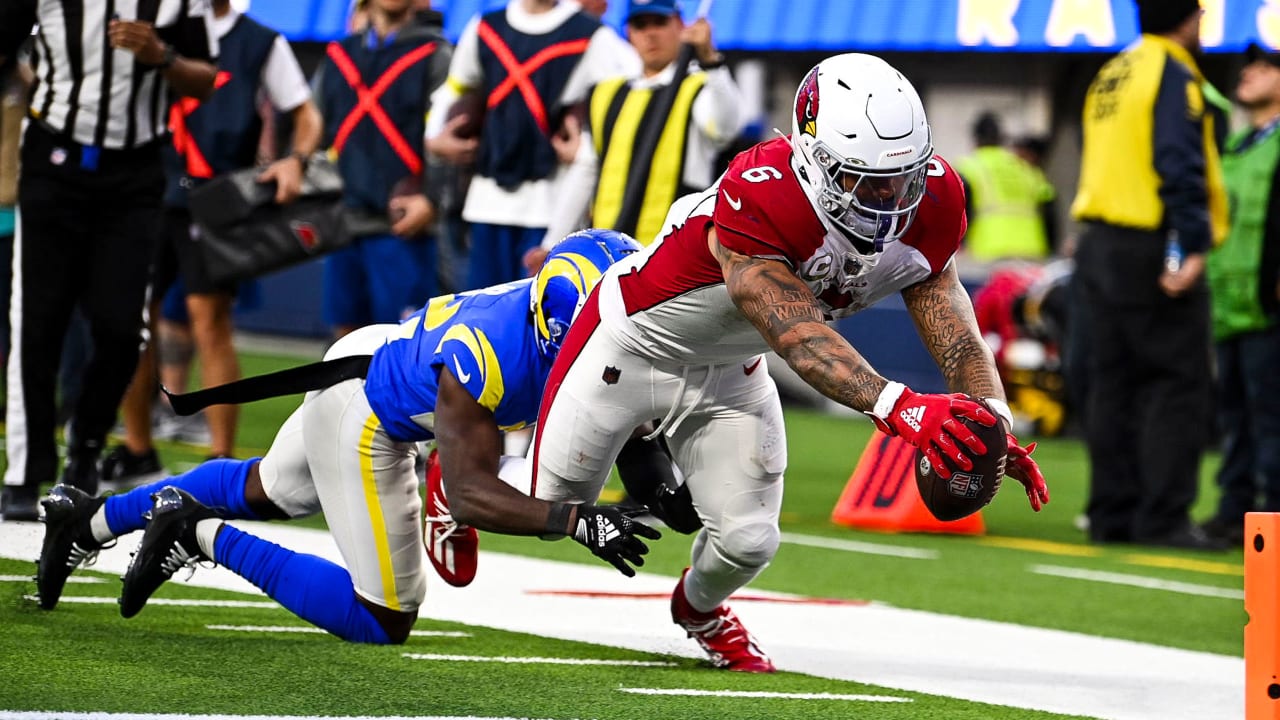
{"points": [[530, 62]]}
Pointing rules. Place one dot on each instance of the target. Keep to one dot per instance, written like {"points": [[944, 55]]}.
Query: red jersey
{"points": [[669, 302]]}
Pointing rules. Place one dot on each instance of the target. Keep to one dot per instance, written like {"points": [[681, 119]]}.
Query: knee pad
{"points": [[744, 525], [288, 489], [748, 543]]}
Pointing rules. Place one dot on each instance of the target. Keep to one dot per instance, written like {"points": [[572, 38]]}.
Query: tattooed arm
{"points": [[789, 318], [944, 318], [787, 314]]}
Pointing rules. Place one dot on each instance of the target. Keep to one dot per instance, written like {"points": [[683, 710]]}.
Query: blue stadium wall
{"points": [[884, 25]]}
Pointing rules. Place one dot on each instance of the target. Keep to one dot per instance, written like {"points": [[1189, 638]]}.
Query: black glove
{"points": [[612, 536], [647, 475], [675, 508]]}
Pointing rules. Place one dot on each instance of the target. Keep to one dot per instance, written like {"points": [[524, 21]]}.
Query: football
{"points": [[966, 491], [472, 104]]}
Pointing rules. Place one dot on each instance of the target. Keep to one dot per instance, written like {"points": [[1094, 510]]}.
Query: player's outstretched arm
{"points": [[945, 320], [789, 317], [470, 445]]}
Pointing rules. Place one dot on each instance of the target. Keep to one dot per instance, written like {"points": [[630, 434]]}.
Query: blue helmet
{"points": [[571, 270]]}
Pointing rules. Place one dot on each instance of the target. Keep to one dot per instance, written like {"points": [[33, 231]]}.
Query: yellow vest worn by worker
{"points": [[1006, 193], [618, 117], [1118, 181]]}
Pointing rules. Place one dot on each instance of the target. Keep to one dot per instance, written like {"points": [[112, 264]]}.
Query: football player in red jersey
{"points": [[853, 206]]}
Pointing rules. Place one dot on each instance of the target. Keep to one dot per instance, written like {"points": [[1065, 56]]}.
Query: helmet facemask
{"points": [[871, 206], [561, 301]]}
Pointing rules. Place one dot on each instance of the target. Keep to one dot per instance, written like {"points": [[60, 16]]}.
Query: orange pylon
{"points": [[882, 495]]}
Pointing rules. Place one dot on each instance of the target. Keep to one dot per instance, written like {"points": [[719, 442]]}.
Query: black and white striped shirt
{"points": [[96, 94]]}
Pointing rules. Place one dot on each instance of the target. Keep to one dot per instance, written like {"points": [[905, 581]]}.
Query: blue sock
{"points": [[312, 588], [216, 483]]}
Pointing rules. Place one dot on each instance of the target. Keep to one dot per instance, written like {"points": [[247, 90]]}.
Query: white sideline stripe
{"points": [[59, 715], [167, 601], [860, 547], [42, 715], [1139, 581], [73, 579], [537, 660], [318, 631], [763, 694]]}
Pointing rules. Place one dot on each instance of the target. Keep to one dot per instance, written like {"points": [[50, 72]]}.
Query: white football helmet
{"points": [[861, 147]]}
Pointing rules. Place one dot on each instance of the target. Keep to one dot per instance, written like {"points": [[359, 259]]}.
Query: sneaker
{"points": [[68, 541], [20, 503], [165, 423], [82, 470], [1189, 537], [168, 425], [169, 543], [720, 633], [194, 430], [120, 465], [453, 549], [1229, 532]]}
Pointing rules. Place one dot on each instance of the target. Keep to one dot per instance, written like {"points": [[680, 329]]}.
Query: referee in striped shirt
{"points": [[88, 210]]}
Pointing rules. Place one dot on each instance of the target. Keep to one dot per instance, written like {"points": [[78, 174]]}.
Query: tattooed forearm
{"points": [[944, 317], [789, 318], [770, 303]]}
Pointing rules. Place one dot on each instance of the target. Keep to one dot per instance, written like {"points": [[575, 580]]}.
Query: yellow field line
{"points": [[1202, 566], [1047, 547]]}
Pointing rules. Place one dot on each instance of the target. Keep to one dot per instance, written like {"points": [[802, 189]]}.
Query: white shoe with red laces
{"points": [[452, 548], [720, 633]]}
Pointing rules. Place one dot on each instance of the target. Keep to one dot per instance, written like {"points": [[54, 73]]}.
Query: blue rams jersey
{"points": [[487, 341]]}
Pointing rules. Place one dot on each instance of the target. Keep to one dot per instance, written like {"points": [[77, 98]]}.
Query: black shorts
{"points": [[178, 253]]}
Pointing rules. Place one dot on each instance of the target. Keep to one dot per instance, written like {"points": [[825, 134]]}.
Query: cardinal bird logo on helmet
{"points": [[807, 104]]}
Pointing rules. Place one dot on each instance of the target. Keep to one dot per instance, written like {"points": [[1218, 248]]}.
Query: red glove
{"points": [[1020, 467], [931, 423]]}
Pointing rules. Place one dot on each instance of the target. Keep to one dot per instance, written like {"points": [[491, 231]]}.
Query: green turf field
{"points": [[1027, 570]]}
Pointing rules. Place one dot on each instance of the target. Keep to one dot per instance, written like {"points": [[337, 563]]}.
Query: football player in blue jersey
{"points": [[460, 371]]}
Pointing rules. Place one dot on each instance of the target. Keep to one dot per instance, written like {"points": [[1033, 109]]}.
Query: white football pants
{"points": [[332, 455], [725, 429]]}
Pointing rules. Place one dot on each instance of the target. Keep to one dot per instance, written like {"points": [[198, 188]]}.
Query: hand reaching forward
{"points": [[932, 424], [1020, 467], [612, 536]]}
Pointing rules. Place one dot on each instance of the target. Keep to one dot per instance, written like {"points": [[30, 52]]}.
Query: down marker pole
{"points": [[1262, 603]]}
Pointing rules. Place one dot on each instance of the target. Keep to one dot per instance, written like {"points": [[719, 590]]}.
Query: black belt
{"points": [[305, 378]]}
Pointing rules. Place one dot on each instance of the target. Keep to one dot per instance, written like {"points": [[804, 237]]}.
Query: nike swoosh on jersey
{"points": [[463, 377], [748, 369], [735, 204]]}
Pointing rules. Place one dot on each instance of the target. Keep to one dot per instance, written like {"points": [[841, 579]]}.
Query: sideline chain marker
{"points": [[1262, 603]]}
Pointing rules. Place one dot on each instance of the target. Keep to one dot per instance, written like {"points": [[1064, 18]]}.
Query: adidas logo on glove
{"points": [[912, 417], [605, 531]]}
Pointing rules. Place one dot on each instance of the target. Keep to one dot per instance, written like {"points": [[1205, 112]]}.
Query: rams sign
{"points": [[873, 25]]}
